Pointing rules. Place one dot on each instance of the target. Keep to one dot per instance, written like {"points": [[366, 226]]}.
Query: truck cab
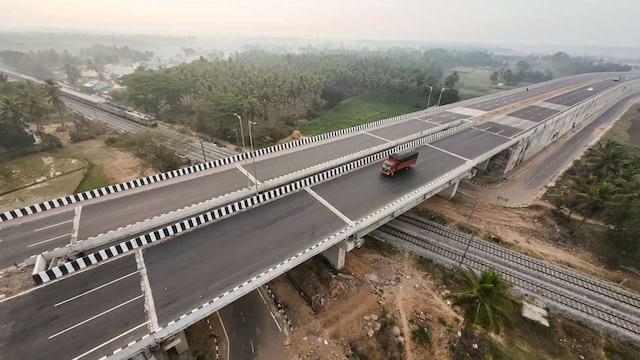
{"points": [[399, 161]]}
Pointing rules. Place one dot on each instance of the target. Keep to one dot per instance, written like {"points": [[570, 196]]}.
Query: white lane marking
{"points": [[448, 152], [54, 225], [375, 136], [96, 316], [275, 321], [94, 289], [76, 224], [247, 174], [242, 316], [108, 341], [149, 304], [224, 330], [263, 300], [330, 207], [252, 351], [46, 241]]}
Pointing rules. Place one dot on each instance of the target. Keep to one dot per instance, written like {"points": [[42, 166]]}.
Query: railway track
{"points": [[183, 144], [593, 301]]}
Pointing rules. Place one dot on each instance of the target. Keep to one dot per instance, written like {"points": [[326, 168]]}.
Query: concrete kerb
{"points": [[217, 214], [72, 199], [264, 277], [203, 206]]}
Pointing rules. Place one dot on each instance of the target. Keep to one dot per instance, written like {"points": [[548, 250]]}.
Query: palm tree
{"points": [[54, 97], [10, 109], [605, 159], [578, 185], [593, 199], [485, 299]]}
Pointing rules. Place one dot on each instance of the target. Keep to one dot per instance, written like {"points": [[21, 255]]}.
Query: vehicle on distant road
{"points": [[590, 89], [399, 161], [617, 78]]}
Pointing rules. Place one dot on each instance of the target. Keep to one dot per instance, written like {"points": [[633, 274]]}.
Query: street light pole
{"points": [[428, 103], [244, 147], [441, 91], [471, 238], [241, 131], [253, 158]]}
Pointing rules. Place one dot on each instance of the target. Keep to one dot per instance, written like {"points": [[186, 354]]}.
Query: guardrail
{"points": [[72, 199], [219, 213], [176, 215]]}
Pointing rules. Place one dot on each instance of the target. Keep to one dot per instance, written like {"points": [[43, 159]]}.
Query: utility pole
{"points": [[428, 103], [253, 158], [471, 238], [204, 155], [441, 91]]}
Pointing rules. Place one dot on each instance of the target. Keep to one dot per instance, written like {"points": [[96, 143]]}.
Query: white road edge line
{"points": [[94, 289], [46, 241], [375, 136], [95, 316], [330, 207], [224, 330], [76, 224], [275, 321], [108, 341], [54, 225], [149, 304], [252, 350], [263, 300], [247, 174]]}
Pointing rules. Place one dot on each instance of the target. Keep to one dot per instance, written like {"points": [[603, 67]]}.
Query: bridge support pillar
{"points": [[450, 192], [483, 165], [336, 254], [177, 342]]}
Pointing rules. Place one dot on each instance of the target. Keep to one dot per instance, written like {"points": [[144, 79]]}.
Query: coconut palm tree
{"points": [[605, 159], [11, 110], [54, 97], [593, 199], [485, 299]]}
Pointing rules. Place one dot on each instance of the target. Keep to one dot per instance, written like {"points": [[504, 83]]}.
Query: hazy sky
{"points": [[578, 22]]}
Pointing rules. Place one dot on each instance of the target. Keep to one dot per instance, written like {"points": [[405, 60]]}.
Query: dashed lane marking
{"points": [[48, 240], [95, 289], [109, 341], [375, 136], [54, 225]]}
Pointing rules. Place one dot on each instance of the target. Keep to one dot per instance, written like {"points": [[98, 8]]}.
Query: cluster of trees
{"points": [[563, 64], [276, 89], [522, 73], [605, 185], [26, 103], [103, 54]]}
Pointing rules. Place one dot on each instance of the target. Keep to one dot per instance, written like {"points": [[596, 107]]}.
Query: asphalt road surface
{"points": [[24, 237], [254, 328], [91, 313]]}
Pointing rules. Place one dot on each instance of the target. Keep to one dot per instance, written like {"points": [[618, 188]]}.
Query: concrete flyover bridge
{"points": [[143, 295]]}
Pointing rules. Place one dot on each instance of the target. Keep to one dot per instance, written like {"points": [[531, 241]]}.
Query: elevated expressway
{"points": [[144, 296]]}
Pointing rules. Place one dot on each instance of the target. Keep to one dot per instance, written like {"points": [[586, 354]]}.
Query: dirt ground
{"points": [[530, 230], [368, 310], [116, 166], [14, 281]]}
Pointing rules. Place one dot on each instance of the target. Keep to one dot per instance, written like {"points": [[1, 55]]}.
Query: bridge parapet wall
{"points": [[534, 140]]}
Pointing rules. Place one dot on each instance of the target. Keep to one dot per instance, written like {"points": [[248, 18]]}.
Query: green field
{"points": [[356, 111], [475, 82]]}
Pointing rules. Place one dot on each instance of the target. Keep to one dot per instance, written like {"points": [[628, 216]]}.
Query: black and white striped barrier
{"points": [[264, 277], [208, 217], [87, 195]]}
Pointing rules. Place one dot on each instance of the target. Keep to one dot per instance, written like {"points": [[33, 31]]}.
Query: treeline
{"points": [[522, 73], [279, 89], [605, 186], [42, 64], [23, 103], [564, 64]]}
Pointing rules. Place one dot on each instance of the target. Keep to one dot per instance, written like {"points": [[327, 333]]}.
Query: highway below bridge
{"points": [[145, 295]]}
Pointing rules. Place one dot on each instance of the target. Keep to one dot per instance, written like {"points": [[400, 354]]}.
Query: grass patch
{"points": [[357, 111], [432, 216], [33, 168], [94, 178], [627, 129]]}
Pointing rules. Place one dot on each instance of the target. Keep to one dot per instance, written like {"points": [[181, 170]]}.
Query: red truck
{"points": [[398, 161]]}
